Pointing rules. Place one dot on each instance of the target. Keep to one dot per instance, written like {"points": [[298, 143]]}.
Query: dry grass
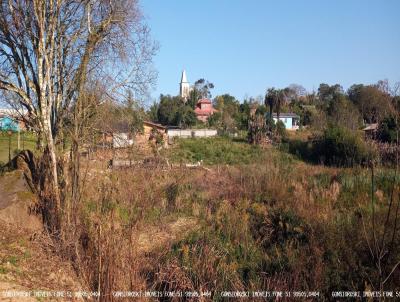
{"points": [[26, 263], [278, 223]]}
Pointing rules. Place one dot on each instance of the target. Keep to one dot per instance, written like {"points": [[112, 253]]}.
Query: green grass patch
{"points": [[215, 150], [26, 141]]}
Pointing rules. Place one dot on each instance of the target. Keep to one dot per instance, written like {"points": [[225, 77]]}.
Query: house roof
{"points": [[286, 115], [151, 124], [204, 101], [371, 127]]}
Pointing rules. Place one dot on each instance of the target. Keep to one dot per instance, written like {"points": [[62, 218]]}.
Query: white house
{"points": [[290, 120]]}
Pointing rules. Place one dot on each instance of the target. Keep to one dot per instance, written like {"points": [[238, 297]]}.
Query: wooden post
{"points": [[18, 140], [9, 145]]}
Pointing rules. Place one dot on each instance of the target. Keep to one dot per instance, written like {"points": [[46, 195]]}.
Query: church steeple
{"points": [[184, 86], [183, 78]]}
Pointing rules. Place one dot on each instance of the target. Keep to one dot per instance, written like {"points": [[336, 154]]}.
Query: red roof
{"points": [[199, 111], [204, 101]]}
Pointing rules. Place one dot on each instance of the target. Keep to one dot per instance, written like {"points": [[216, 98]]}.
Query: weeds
{"points": [[221, 150], [275, 223]]}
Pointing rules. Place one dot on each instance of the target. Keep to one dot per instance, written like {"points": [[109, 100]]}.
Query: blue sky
{"points": [[243, 47]]}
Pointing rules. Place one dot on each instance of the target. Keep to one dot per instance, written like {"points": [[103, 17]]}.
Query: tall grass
{"points": [[273, 223]]}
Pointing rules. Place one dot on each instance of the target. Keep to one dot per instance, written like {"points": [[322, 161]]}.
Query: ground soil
{"points": [[27, 265]]}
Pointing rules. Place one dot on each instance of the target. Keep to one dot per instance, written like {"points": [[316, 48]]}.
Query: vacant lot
{"points": [[248, 218], [253, 218]]}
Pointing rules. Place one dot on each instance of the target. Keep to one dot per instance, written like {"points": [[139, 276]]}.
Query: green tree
{"points": [[344, 113], [185, 117], [229, 110], [373, 104], [152, 113], [173, 111], [243, 115], [388, 130], [201, 89], [327, 93], [204, 87], [215, 120]]}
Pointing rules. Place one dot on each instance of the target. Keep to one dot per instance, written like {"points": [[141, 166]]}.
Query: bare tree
{"points": [[50, 49]]}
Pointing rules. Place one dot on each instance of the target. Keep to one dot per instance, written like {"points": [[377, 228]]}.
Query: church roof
{"points": [[183, 78]]}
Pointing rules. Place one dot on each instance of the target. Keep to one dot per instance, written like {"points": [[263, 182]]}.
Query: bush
{"points": [[340, 147], [387, 130], [302, 149], [281, 129]]}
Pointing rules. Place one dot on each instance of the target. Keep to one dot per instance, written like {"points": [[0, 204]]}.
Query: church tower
{"points": [[184, 86]]}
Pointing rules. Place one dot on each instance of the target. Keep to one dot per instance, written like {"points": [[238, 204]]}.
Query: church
{"points": [[204, 108]]}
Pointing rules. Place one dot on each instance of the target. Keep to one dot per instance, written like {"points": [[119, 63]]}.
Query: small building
{"points": [[121, 138], [151, 133], [370, 130], [10, 120], [204, 109], [290, 120]]}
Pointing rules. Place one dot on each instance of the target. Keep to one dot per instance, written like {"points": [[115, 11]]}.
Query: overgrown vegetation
{"points": [[278, 224], [208, 214], [338, 146]]}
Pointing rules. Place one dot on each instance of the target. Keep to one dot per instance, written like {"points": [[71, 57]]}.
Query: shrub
{"points": [[340, 147], [172, 192], [301, 149], [281, 129], [387, 130]]}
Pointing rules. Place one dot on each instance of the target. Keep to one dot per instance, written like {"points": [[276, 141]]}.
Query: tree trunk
{"points": [[54, 193]]}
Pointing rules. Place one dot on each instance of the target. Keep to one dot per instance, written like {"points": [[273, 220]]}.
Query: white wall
{"points": [[121, 140], [186, 133]]}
